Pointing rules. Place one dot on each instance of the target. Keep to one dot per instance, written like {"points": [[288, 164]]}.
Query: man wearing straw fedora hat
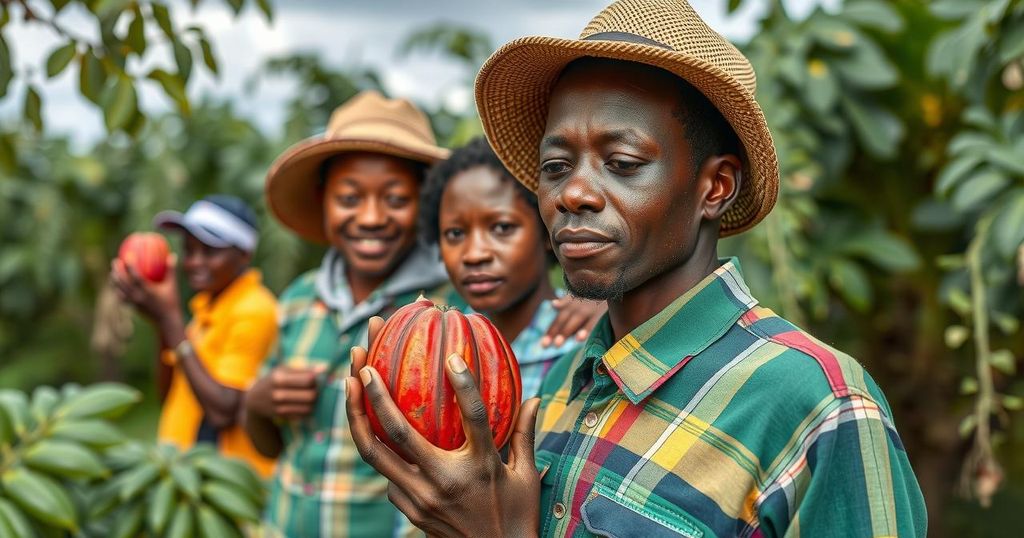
{"points": [[355, 188], [691, 410]]}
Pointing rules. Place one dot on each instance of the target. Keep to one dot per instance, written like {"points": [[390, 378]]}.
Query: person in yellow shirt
{"points": [[206, 366]]}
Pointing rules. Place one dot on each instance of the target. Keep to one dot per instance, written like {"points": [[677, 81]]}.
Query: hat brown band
{"points": [[627, 37]]}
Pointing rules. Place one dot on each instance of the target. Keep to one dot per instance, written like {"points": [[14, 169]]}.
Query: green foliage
{"points": [[63, 465], [105, 78]]}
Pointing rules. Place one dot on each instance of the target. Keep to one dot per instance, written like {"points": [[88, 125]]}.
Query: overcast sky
{"points": [[342, 32]]}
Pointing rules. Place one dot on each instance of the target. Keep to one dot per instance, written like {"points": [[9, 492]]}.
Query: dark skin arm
{"points": [[464, 492], [158, 302], [286, 393]]}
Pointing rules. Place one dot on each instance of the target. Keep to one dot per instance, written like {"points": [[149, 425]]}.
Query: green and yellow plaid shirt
{"points": [[718, 418], [321, 487]]}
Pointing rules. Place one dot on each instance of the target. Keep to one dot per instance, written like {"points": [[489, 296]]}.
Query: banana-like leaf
{"points": [[14, 521], [183, 523], [133, 481], [102, 400], [40, 496], [161, 505], [92, 432], [228, 499], [64, 458]]}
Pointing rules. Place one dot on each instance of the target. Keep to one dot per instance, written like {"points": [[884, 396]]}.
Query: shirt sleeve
{"points": [[853, 479], [246, 345]]}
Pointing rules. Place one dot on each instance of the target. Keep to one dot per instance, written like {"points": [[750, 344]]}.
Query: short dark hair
{"points": [[476, 153], [705, 129]]}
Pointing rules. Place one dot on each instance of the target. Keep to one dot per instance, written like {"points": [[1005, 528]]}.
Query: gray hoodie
{"points": [[420, 270]]}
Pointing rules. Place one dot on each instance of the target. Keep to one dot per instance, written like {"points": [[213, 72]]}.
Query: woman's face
{"points": [[370, 207], [492, 241]]}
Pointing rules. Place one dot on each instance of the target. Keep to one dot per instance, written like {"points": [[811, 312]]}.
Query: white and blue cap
{"points": [[218, 220]]}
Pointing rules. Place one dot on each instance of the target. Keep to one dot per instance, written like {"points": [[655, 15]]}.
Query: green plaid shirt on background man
{"points": [[678, 429]]}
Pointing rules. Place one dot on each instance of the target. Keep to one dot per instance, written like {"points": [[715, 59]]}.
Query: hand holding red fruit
{"points": [[464, 492], [158, 301], [285, 392]]}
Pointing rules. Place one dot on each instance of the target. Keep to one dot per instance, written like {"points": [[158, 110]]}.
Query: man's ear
{"points": [[724, 173]]}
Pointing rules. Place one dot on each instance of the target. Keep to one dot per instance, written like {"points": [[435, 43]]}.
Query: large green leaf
{"points": [[878, 130], [229, 500], [821, 90], [183, 59], [1008, 226], [6, 71], [955, 171], [59, 59], [93, 432], [867, 67], [1012, 45], [852, 283], [129, 521], [163, 19], [187, 479], [132, 482], [873, 13], [888, 251], [40, 496], [105, 400], [1009, 159], [91, 76], [214, 525], [15, 520], [183, 523], [208, 58], [64, 458], [979, 188], [44, 401], [267, 9], [120, 103], [161, 505], [16, 407], [233, 472], [33, 108], [137, 32]]}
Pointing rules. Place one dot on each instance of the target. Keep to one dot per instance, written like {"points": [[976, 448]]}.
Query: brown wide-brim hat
{"points": [[367, 122], [514, 86]]}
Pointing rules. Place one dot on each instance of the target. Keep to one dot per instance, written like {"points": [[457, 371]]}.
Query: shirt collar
{"points": [[651, 353], [527, 346], [205, 310]]}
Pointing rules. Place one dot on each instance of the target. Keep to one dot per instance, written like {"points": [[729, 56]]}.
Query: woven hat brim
{"points": [[292, 187], [514, 86]]}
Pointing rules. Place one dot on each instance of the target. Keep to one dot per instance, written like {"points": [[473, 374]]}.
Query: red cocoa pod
{"points": [[409, 354], [146, 252]]}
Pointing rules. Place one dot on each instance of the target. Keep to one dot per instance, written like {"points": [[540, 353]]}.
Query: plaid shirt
{"points": [[321, 486], [535, 360], [718, 418]]}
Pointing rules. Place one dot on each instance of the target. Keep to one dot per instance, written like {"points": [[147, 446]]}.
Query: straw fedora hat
{"points": [[367, 122], [514, 86]]}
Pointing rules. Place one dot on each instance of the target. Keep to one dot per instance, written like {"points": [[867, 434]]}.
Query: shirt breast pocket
{"points": [[605, 513]]}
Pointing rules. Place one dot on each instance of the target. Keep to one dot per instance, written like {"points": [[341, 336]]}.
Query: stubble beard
{"points": [[596, 292]]}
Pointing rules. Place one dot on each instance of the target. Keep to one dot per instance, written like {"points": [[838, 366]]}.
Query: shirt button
{"points": [[559, 510], [590, 420], [308, 489], [319, 436]]}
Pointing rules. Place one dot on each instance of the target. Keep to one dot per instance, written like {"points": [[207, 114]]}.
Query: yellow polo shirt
{"points": [[231, 336]]}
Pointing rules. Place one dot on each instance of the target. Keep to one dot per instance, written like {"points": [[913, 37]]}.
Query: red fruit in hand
{"points": [[146, 252], [410, 354]]}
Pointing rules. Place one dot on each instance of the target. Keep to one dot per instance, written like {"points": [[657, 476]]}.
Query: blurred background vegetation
{"points": [[897, 237]]}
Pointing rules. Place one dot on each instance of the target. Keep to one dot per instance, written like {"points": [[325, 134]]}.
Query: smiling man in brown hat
{"points": [[357, 189], [691, 410]]}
